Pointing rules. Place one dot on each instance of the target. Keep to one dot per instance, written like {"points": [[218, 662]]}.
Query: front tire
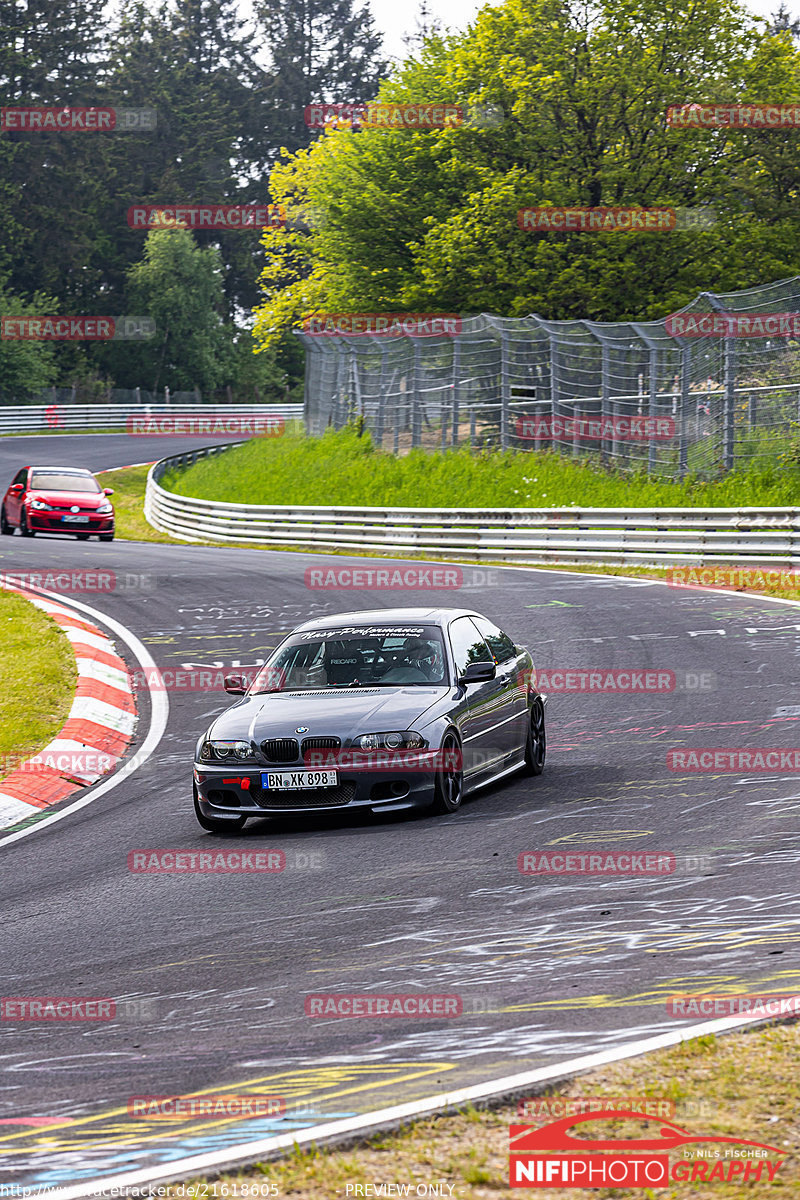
{"points": [[23, 525], [536, 744], [106, 537], [82, 537], [212, 825], [5, 527], [448, 787]]}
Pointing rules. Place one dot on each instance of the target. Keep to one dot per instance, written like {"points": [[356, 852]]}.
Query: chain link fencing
{"points": [[638, 396]]}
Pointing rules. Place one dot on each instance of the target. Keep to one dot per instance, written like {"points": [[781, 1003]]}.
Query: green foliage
{"points": [[180, 287], [25, 367], [426, 220], [221, 120], [343, 468]]}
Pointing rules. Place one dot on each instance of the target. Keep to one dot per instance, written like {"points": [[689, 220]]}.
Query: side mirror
{"points": [[108, 491], [15, 489], [234, 685], [478, 672]]}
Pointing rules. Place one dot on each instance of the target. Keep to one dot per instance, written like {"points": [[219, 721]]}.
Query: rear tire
{"points": [[23, 525], [82, 537], [5, 528], [536, 744], [212, 825], [448, 787]]}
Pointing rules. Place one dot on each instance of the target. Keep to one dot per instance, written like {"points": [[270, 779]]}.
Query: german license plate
{"points": [[71, 519], [291, 781]]}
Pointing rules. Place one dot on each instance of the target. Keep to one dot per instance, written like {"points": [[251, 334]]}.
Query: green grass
{"points": [[341, 468], [128, 500], [37, 678]]}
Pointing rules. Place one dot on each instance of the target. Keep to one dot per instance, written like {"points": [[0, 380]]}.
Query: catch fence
{"points": [[633, 395]]}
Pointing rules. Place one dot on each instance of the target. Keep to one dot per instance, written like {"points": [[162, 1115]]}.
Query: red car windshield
{"points": [[56, 481]]}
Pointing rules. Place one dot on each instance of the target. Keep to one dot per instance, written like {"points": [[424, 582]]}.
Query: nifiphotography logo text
{"points": [[561, 1155]]}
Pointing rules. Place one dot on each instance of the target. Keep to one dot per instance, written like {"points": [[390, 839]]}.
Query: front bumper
{"points": [[228, 791], [41, 521]]}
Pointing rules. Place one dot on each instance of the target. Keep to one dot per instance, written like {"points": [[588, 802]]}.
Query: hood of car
{"points": [[344, 714], [67, 499]]}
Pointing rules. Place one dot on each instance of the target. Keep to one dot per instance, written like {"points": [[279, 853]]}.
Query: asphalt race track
{"points": [[547, 967]]}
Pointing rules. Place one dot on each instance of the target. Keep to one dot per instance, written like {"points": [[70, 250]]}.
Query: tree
{"points": [[319, 50], [178, 285], [52, 55], [426, 220], [26, 367]]}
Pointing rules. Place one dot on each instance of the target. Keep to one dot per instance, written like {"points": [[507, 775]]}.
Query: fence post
{"points": [[456, 390], [416, 415], [652, 453], [729, 414], [473, 439], [554, 388], [504, 389], [605, 444], [729, 398], [379, 420], [166, 395], [752, 409], [138, 394], [357, 404], [683, 412]]}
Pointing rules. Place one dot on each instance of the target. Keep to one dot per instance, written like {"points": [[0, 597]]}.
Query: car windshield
{"points": [[63, 481], [352, 658]]}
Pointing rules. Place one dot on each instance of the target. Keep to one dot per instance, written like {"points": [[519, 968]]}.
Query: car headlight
{"points": [[400, 740], [226, 751], [105, 509], [40, 504]]}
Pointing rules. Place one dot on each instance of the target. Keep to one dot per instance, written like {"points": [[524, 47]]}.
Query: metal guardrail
{"points": [[51, 418], [516, 536]]}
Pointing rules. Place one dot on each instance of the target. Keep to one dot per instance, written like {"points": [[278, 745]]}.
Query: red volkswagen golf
{"points": [[57, 500]]}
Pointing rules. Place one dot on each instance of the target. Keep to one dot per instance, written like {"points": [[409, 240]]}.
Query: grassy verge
{"points": [[128, 500], [130, 482], [742, 1085], [341, 468], [37, 679]]}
